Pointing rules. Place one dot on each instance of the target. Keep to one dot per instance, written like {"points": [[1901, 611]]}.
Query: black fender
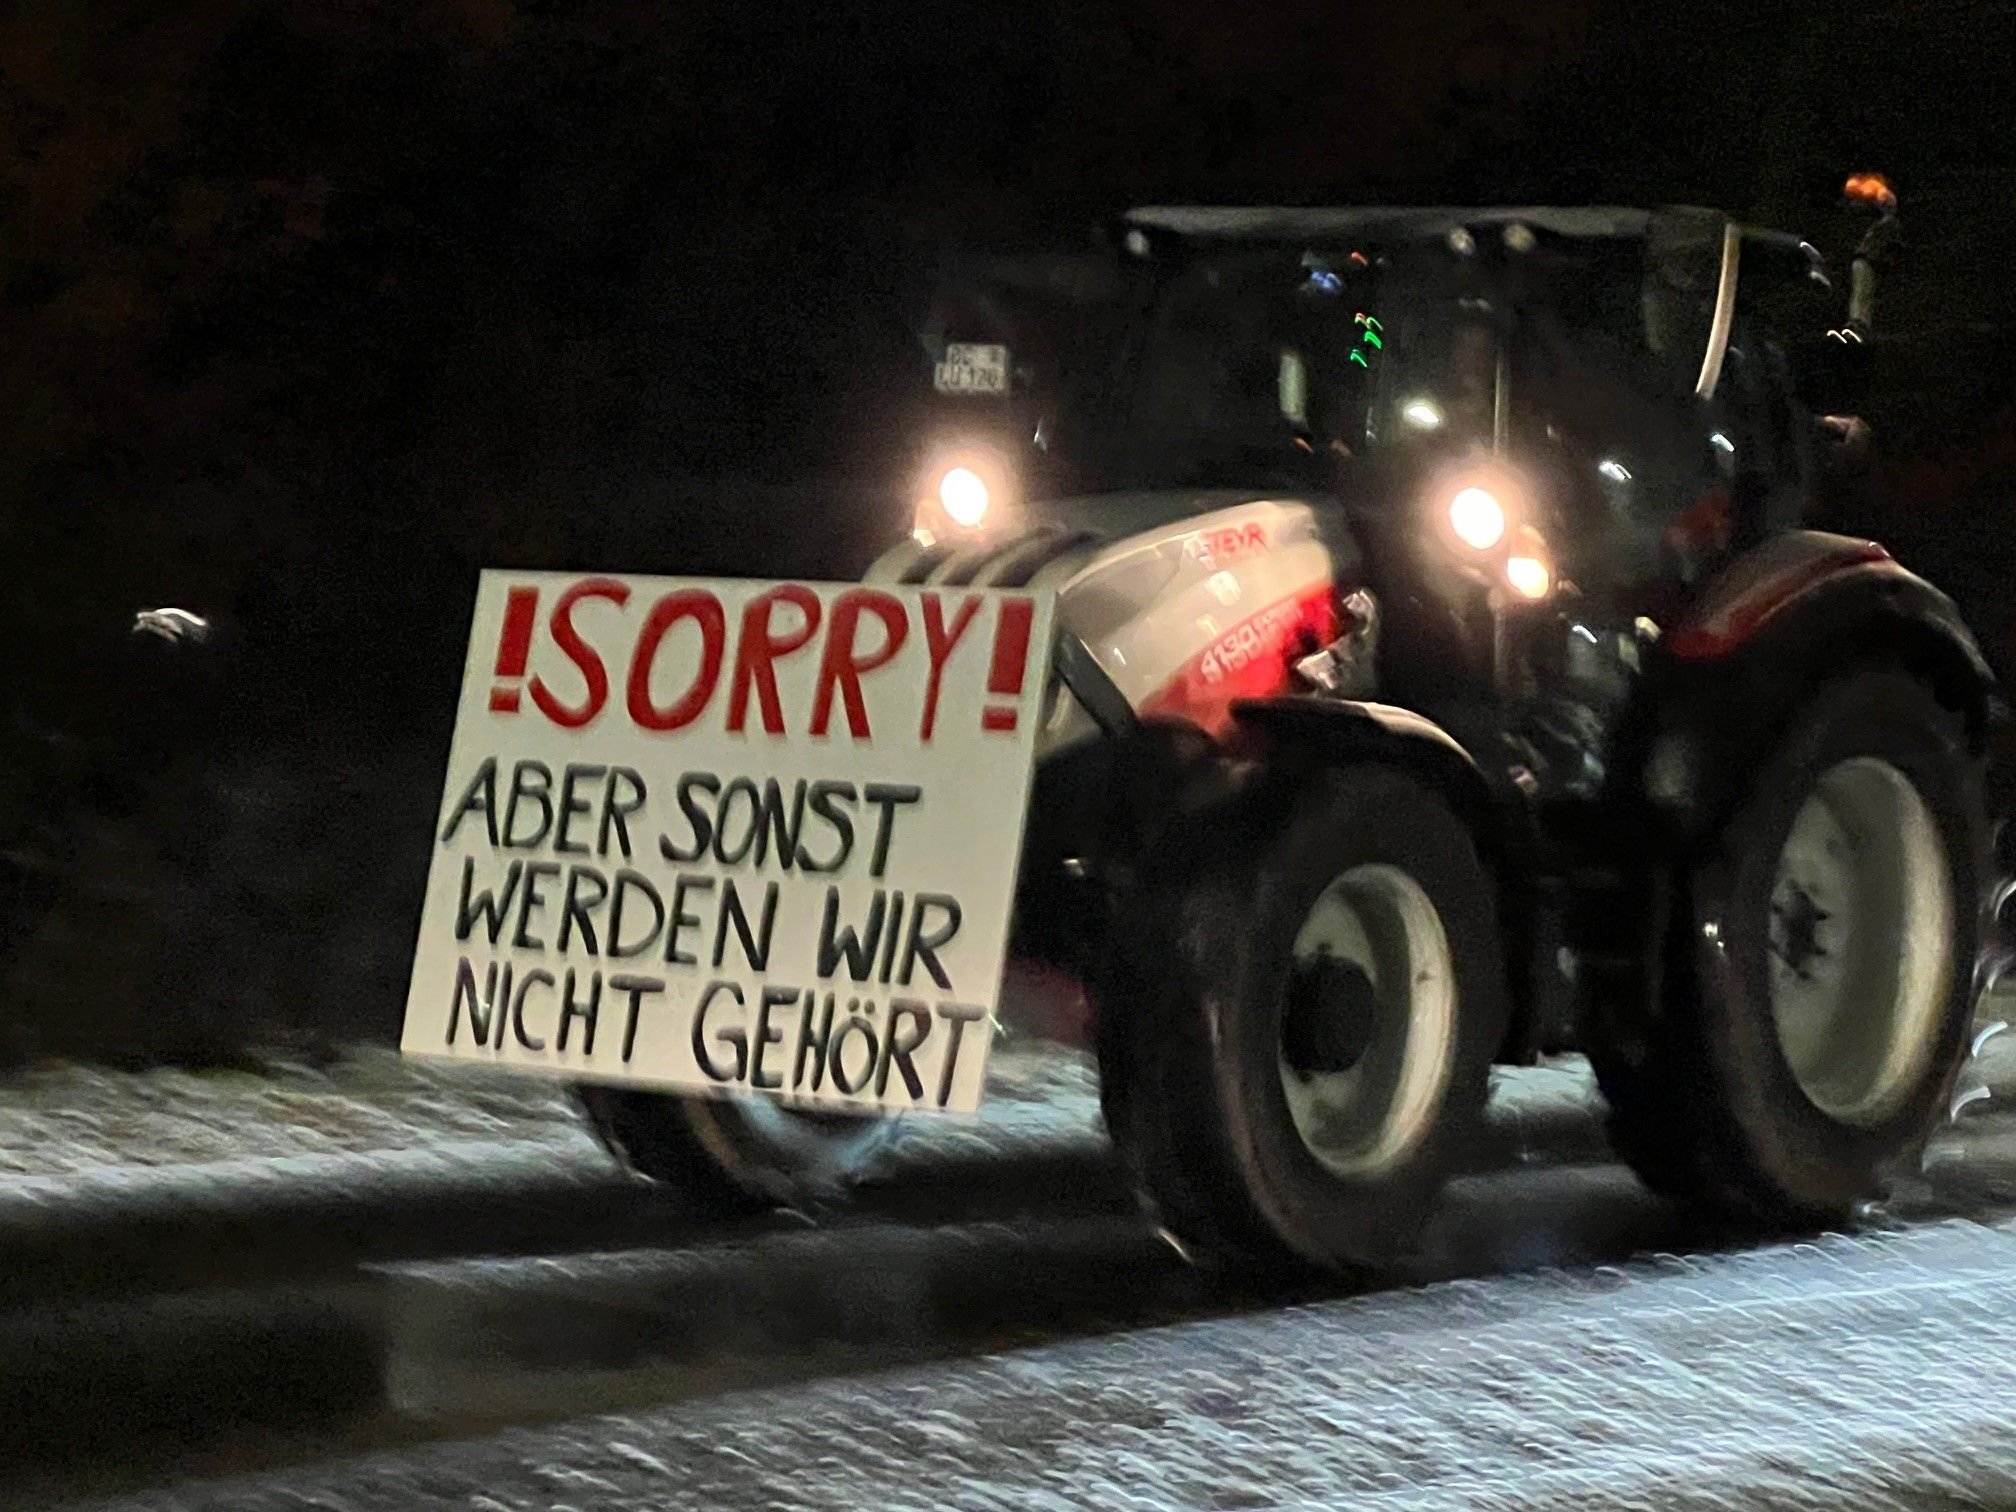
{"points": [[1338, 730], [1720, 686], [1496, 800]]}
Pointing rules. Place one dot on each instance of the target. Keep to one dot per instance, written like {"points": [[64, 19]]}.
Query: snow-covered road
{"points": [[295, 1320], [1876, 1372]]}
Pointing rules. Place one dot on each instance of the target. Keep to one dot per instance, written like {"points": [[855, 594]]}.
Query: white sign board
{"points": [[732, 837]]}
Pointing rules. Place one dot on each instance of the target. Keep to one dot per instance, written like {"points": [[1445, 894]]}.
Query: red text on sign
{"points": [[862, 635]]}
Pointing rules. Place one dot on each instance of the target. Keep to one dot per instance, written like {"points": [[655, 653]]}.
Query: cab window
{"points": [[1605, 416], [1758, 433]]}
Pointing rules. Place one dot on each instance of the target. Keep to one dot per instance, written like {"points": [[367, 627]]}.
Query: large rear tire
{"points": [[740, 1155], [1819, 987], [1298, 1018]]}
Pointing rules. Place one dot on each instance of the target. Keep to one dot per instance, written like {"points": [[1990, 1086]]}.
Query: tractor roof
{"points": [[1665, 230], [1683, 242], [1386, 223]]}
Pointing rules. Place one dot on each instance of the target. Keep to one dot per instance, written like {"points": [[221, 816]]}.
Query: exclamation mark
{"points": [[514, 648], [1011, 653]]}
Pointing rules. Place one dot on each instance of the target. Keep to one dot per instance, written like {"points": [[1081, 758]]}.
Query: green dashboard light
{"points": [[1369, 336]]}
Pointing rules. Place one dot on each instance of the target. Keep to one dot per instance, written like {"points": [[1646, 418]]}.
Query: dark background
{"points": [[309, 308]]}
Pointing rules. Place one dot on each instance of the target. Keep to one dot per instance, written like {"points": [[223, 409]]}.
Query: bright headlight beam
{"points": [[1422, 414], [964, 494], [1528, 576], [1477, 518]]}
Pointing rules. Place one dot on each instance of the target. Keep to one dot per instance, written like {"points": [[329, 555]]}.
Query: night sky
{"points": [[586, 238]]}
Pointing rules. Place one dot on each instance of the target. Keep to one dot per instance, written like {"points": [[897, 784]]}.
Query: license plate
{"points": [[732, 837], [972, 369]]}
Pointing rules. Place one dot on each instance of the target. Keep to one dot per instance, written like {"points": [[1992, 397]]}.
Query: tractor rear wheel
{"points": [[1820, 979]]}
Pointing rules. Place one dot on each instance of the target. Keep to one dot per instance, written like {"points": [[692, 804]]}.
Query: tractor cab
{"points": [[1633, 357], [1534, 433]]}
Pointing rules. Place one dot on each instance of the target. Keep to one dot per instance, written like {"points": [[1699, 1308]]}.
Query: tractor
{"points": [[1447, 673]]}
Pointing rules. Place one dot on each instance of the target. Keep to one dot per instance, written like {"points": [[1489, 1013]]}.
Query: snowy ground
{"points": [[999, 1341], [64, 1121], [67, 1123], [1875, 1373]]}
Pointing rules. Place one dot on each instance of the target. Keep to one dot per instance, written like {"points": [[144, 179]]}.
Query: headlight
{"points": [[1484, 515], [1477, 518], [966, 488], [965, 495], [1529, 576]]}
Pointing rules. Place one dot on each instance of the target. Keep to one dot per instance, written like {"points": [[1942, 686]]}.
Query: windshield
{"points": [[1248, 368]]}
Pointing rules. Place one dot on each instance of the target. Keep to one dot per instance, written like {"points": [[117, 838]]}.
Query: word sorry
{"points": [[866, 630]]}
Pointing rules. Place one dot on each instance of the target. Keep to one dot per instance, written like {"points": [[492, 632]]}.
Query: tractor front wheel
{"points": [[1298, 1018]]}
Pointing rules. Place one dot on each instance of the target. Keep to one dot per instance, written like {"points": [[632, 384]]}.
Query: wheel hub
{"points": [[1795, 937], [1331, 1017], [1861, 941], [1368, 1025]]}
